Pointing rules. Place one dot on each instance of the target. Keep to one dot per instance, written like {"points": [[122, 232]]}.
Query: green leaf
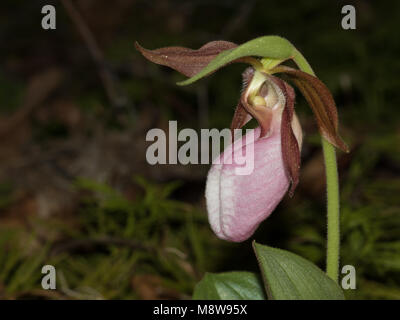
{"points": [[230, 286], [273, 47], [288, 276]]}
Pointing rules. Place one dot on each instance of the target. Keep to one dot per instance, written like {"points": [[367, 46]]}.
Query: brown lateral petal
{"points": [[239, 118], [241, 115], [290, 147], [321, 102], [184, 60]]}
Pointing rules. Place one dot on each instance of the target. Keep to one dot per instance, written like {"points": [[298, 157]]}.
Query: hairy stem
{"points": [[332, 188]]}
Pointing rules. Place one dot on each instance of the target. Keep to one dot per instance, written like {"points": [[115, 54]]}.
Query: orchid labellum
{"points": [[237, 204]]}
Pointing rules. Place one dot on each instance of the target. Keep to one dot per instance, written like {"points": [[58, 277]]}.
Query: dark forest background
{"points": [[76, 191]]}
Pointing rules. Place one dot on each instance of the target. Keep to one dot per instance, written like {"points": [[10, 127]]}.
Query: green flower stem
{"points": [[332, 183]]}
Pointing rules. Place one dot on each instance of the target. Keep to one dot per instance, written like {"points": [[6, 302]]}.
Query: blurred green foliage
{"points": [[113, 240], [116, 240]]}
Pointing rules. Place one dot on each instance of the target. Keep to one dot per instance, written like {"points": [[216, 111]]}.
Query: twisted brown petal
{"points": [[184, 60], [241, 115], [321, 102], [290, 147]]}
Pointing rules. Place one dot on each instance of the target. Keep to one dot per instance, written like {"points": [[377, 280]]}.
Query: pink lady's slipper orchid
{"points": [[238, 203]]}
